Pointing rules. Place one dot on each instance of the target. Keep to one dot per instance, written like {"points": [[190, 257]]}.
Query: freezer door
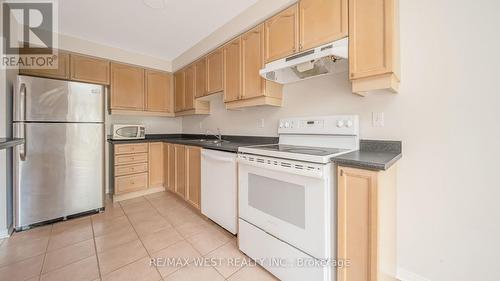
{"points": [[59, 171], [41, 100]]}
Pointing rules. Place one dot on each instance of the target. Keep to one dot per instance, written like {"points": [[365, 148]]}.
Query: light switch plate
{"points": [[378, 119], [261, 123]]}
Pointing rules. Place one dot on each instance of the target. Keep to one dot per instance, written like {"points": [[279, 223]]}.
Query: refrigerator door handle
{"points": [[23, 101], [20, 132]]}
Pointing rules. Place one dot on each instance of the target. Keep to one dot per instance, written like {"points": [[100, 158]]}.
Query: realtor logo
{"points": [[29, 34]]}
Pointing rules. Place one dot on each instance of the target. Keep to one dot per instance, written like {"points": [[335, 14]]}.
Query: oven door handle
{"points": [[318, 174]]}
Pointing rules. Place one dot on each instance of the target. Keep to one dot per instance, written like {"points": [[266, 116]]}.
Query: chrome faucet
{"points": [[218, 136]]}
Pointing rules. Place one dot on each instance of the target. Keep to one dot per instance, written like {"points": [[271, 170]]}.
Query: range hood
{"points": [[326, 59]]}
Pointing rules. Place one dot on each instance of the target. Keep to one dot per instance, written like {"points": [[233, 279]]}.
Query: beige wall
{"points": [[83, 46], [447, 115]]}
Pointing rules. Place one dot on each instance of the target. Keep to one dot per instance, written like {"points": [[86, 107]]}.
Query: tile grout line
{"points": [[140, 240], [45, 254], [95, 248]]}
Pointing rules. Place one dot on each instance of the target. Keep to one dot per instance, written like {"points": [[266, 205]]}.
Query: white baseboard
{"points": [[4, 233], [406, 275]]}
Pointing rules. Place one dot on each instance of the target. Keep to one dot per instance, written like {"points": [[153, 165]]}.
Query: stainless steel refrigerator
{"points": [[59, 171]]}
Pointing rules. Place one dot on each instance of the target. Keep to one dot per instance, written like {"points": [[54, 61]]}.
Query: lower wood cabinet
{"points": [[156, 164], [193, 175], [366, 229], [137, 169], [180, 170]]}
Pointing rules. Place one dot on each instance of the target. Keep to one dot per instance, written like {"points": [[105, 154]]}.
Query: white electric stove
{"points": [[287, 195]]}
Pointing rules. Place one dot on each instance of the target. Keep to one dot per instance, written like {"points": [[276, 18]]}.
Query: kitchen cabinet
{"points": [[281, 34], [179, 90], [366, 229], [137, 170], [155, 164], [127, 87], [215, 72], [201, 77], [254, 90], [185, 89], [61, 72], [193, 175], [180, 170], [89, 69], [159, 96], [189, 87], [171, 167], [232, 70], [321, 22], [374, 45]]}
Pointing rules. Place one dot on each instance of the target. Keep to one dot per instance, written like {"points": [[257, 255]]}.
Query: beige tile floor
{"points": [[120, 243]]}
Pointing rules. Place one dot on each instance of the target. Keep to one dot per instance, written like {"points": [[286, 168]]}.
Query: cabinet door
{"points": [[201, 78], [282, 34], [158, 91], [357, 224], [189, 87], [180, 170], [171, 167], [155, 164], [89, 69], [61, 72], [321, 22], [214, 72], [193, 175], [232, 70], [374, 42], [179, 90], [252, 53], [127, 87]]}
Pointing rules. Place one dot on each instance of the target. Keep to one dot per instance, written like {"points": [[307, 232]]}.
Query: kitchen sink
{"points": [[212, 141]]}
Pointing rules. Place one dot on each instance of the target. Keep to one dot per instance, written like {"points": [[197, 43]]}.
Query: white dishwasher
{"points": [[219, 188]]}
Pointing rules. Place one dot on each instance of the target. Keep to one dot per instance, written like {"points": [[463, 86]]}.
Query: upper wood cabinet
{"points": [[180, 169], [193, 175], [374, 45], [61, 72], [159, 96], [201, 77], [127, 87], [215, 72], [232, 70], [252, 61], [89, 69], [155, 164], [282, 34], [179, 90], [366, 230], [189, 87], [321, 22]]}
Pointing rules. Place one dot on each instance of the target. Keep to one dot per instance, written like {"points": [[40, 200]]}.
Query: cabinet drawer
{"points": [[131, 169], [131, 148], [131, 158], [131, 183]]}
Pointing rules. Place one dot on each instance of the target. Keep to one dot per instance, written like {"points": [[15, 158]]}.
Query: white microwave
{"points": [[128, 132]]}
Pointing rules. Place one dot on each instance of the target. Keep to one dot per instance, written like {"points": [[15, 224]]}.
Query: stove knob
{"points": [[287, 125], [281, 124], [340, 123], [348, 124]]}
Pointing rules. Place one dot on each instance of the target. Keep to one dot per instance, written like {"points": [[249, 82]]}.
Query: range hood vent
{"points": [[327, 59]]}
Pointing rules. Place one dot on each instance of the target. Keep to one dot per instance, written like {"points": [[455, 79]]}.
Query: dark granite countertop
{"points": [[10, 142], [193, 139], [372, 155]]}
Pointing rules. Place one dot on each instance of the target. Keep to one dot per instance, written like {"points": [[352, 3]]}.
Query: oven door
{"points": [[290, 200]]}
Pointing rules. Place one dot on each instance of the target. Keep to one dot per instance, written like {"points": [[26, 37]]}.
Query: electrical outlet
{"points": [[201, 125], [261, 123], [377, 119]]}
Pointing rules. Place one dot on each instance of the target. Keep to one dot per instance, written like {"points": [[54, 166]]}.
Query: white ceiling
{"points": [[131, 25]]}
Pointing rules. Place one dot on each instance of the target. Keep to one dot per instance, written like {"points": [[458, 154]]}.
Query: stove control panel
{"points": [[322, 125]]}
